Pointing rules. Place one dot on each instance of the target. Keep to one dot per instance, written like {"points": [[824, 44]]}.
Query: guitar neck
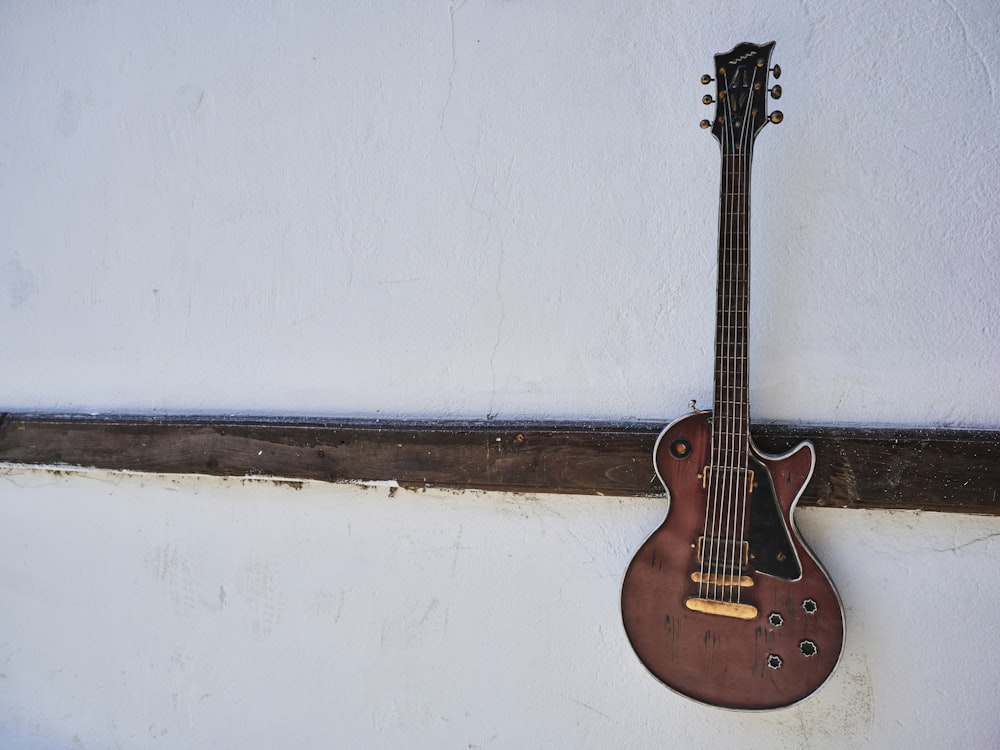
{"points": [[741, 91], [732, 411]]}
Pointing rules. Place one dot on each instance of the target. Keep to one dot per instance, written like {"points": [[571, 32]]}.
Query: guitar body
{"points": [[724, 602], [792, 644]]}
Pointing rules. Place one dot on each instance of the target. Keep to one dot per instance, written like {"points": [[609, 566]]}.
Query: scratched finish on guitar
{"points": [[720, 660]]}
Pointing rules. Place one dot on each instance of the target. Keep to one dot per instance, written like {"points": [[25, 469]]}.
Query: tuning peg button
{"points": [[707, 79], [777, 71], [776, 92], [776, 116], [705, 124], [707, 99]]}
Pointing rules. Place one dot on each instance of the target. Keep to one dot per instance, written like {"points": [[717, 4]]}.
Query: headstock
{"points": [[741, 96]]}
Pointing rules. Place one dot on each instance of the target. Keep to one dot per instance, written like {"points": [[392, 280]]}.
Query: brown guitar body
{"points": [[724, 602], [776, 657]]}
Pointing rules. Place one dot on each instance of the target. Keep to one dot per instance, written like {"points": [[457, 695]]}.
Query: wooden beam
{"points": [[941, 470]]}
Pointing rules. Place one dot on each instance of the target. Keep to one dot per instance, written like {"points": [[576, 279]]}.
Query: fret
{"points": [[730, 411], [724, 455], [731, 406], [737, 382]]}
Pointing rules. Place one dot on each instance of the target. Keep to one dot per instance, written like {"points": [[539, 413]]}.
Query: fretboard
{"points": [[731, 426]]}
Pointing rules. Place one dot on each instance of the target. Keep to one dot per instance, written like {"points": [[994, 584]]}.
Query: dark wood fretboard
{"points": [[731, 426]]}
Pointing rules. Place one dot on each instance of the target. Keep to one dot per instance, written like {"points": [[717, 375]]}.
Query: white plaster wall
{"points": [[196, 613], [491, 208], [472, 209]]}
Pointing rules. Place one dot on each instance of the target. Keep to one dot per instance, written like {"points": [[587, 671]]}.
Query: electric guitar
{"points": [[724, 603]]}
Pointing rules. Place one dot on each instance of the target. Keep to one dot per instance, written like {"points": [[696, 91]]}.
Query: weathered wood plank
{"points": [[943, 470]]}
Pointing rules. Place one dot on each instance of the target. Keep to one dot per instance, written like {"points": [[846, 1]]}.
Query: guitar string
{"points": [[705, 588], [727, 405], [730, 480], [732, 487], [743, 364], [717, 473], [717, 478], [737, 397], [733, 395], [729, 484], [729, 337]]}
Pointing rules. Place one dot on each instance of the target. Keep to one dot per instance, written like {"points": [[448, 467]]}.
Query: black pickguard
{"points": [[771, 550]]}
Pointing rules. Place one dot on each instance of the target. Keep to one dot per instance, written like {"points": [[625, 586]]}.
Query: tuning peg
{"points": [[705, 124], [776, 92], [777, 71], [776, 116], [707, 99], [707, 79]]}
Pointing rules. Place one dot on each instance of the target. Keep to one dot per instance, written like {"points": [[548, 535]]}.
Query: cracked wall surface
{"points": [[472, 209], [197, 612], [483, 209]]}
